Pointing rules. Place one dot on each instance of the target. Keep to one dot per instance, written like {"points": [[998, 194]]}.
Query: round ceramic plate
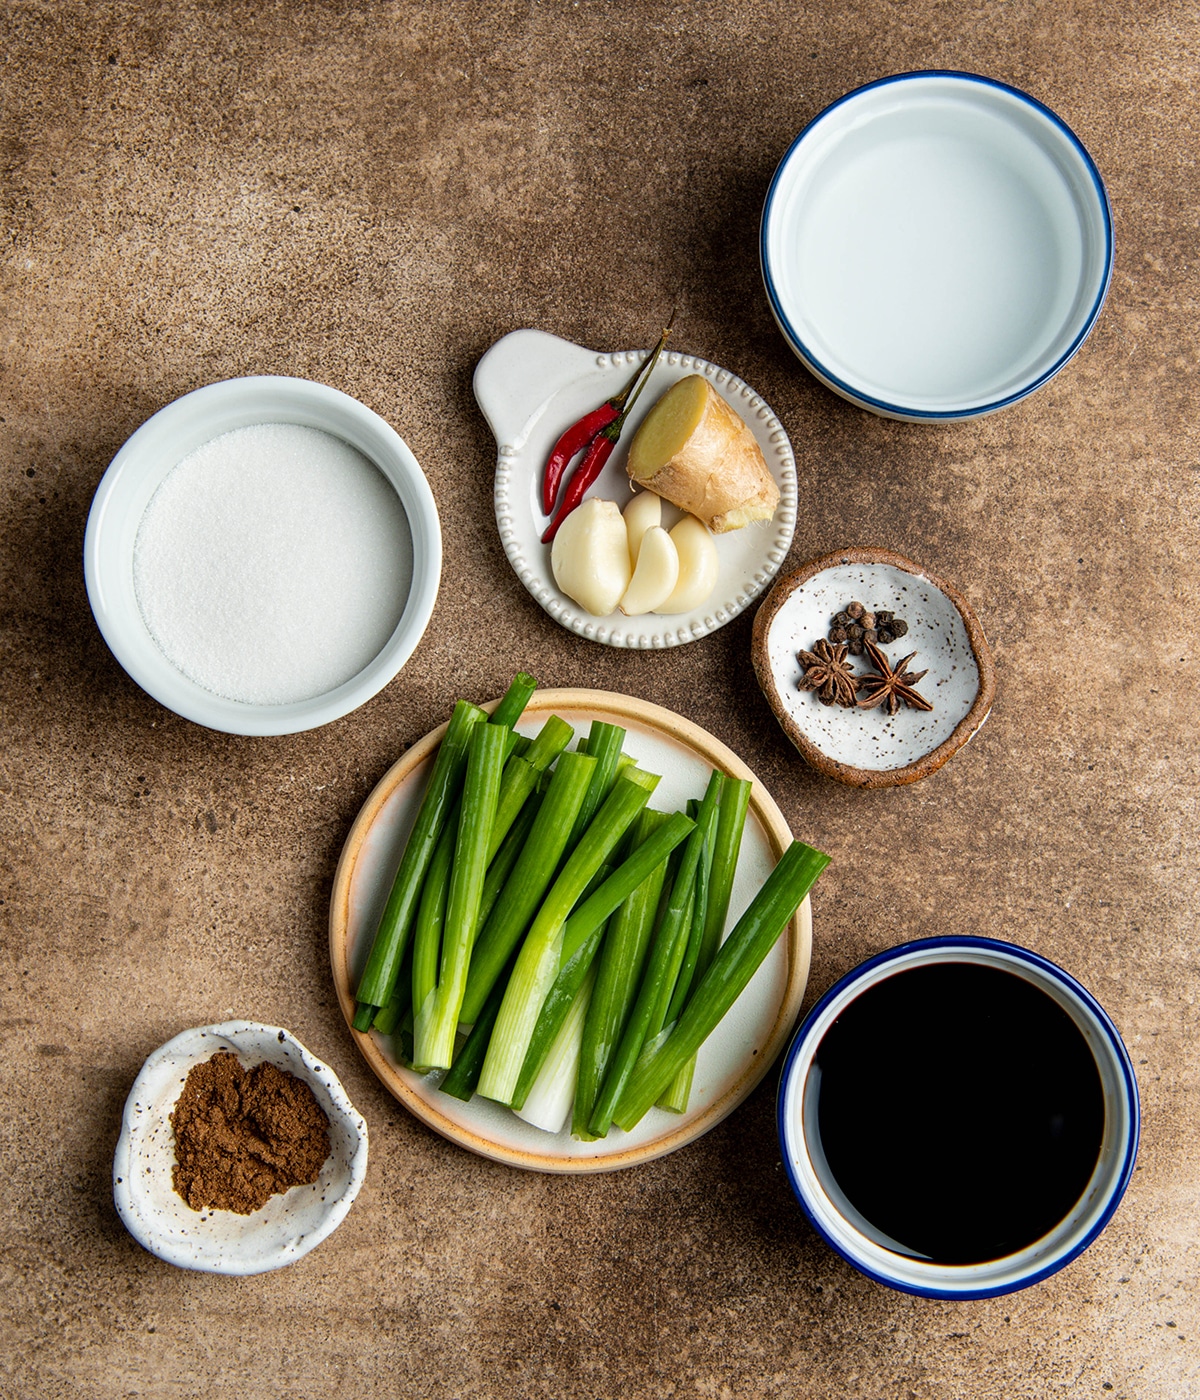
{"points": [[733, 1059], [531, 387]]}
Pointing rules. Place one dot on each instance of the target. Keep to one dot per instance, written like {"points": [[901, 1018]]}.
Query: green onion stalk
{"points": [[712, 910], [582, 935], [436, 1012], [389, 1016], [507, 856], [531, 876], [463, 1077], [727, 842], [521, 775], [515, 698], [426, 945], [378, 981], [604, 743], [619, 970], [548, 1102], [735, 963], [538, 962], [675, 1099], [667, 953]]}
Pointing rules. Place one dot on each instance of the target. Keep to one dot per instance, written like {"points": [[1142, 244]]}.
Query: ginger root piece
{"points": [[695, 451]]}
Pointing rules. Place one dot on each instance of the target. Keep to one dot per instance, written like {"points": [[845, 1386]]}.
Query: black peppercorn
{"points": [[857, 623]]}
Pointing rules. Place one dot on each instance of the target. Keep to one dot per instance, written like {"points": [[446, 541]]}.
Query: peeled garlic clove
{"points": [[699, 565], [590, 556], [641, 514], [656, 574]]}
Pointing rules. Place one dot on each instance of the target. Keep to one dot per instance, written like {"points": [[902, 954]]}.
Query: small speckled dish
{"points": [[220, 1241], [870, 748]]}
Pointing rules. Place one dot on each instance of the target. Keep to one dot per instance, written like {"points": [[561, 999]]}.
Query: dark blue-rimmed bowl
{"points": [[852, 1236], [936, 246]]}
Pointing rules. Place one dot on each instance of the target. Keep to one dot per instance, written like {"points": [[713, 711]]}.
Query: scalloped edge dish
{"points": [[734, 1058], [530, 387]]}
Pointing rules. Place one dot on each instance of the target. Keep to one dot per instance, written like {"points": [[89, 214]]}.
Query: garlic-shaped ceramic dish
{"points": [[220, 1241], [870, 747]]}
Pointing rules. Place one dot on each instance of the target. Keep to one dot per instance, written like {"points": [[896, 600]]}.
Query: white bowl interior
{"points": [[220, 1241], [145, 461], [874, 1252], [873, 739], [936, 243]]}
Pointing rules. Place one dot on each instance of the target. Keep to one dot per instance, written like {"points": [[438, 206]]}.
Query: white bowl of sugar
{"points": [[263, 555]]}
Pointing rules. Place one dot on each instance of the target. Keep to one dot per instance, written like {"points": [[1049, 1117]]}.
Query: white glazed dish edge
{"points": [[223, 1242], [992, 256], [531, 386], [145, 461], [818, 1193]]}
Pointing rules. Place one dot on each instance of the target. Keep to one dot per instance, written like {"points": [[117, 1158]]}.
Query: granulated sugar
{"points": [[273, 564]]}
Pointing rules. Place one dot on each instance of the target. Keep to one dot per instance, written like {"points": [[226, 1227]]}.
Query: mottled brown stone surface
{"points": [[371, 194]]}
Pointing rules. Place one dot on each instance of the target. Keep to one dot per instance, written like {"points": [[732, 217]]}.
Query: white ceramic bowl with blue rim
{"points": [[144, 463], [854, 1240], [936, 246]]}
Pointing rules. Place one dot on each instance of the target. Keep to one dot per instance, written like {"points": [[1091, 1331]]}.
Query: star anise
{"points": [[892, 685], [827, 672]]}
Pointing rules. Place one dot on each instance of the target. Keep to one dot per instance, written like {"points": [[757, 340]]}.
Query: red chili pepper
{"points": [[583, 476], [599, 446], [575, 439], [580, 435]]}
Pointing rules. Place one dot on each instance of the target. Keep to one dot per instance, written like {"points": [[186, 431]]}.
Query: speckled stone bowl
{"points": [[870, 748], [220, 1241]]}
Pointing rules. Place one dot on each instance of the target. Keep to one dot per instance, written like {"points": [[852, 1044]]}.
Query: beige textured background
{"points": [[369, 195]]}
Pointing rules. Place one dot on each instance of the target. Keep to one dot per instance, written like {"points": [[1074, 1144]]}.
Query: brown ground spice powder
{"points": [[243, 1135]]}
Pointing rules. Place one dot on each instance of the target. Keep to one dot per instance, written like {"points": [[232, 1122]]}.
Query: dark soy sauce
{"points": [[960, 1110]]}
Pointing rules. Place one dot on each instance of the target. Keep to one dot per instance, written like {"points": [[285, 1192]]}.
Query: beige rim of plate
{"points": [[422, 1098]]}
